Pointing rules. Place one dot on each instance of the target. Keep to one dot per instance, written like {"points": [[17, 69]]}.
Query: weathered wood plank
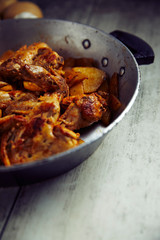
{"points": [[7, 200]]}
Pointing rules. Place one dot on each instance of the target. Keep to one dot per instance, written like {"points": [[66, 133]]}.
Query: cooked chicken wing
{"points": [[83, 110]]}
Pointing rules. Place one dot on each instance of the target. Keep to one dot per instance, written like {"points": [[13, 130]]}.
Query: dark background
{"points": [[63, 9]]}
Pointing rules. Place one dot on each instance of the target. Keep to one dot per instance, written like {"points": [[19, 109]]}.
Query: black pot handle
{"points": [[141, 50]]}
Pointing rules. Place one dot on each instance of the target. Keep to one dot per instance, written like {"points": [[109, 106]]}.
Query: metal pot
{"points": [[76, 40]]}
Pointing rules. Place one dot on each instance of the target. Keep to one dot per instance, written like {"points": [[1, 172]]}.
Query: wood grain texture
{"points": [[8, 198], [115, 194]]}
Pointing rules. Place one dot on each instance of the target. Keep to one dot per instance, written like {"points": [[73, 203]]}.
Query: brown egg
{"points": [[5, 3], [22, 10]]}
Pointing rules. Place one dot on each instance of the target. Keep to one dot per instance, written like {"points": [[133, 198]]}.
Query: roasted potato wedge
{"points": [[2, 84], [104, 86], [113, 85], [31, 86], [106, 118], [93, 78], [76, 89], [7, 88], [72, 77], [114, 103]]}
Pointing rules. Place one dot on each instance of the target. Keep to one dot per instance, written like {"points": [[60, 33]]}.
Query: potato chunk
{"points": [[114, 103], [31, 86], [76, 89], [93, 78], [113, 84]]}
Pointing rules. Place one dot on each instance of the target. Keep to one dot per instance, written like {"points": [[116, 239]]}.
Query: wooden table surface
{"points": [[114, 194]]}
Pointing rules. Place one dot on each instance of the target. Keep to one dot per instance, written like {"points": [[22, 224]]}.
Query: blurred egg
{"points": [[22, 10], [5, 3]]}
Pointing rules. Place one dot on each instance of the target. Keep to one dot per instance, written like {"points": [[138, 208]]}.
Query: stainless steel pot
{"points": [[76, 40]]}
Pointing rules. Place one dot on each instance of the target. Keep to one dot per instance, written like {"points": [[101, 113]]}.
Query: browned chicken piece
{"points": [[19, 107], [8, 98], [36, 63], [36, 74], [24, 55], [83, 111], [27, 128], [10, 67], [44, 79], [36, 140], [39, 54], [6, 55], [18, 95], [7, 122], [48, 59], [47, 107]]}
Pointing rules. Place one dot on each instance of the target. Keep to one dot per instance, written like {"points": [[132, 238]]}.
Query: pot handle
{"points": [[141, 50]]}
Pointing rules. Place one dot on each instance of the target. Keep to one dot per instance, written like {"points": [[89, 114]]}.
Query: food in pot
{"points": [[45, 100]]}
